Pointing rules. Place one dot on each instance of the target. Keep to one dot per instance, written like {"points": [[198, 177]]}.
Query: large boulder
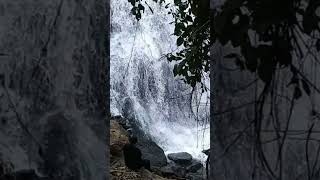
{"points": [[167, 171], [149, 149], [195, 171], [173, 170], [199, 174], [195, 176], [182, 158], [119, 171], [194, 167]]}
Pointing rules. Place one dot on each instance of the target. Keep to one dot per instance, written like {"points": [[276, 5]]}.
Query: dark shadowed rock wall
{"points": [[53, 93]]}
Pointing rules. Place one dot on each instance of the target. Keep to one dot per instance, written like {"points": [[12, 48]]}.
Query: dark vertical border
{"points": [[107, 110], [212, 66]]}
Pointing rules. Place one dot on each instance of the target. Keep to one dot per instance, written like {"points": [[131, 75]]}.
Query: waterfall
{"points": [[143, 85]]}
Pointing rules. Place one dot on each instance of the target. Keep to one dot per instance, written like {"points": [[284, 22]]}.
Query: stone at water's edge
{"points": [[186, 166], [194, 171], [118, 138], [182, 158], [149, 149], [167, 171], [194, 167], [172, 170]]}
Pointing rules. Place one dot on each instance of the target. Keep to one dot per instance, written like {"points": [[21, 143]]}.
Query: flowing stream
{"points": [[143, 85]]}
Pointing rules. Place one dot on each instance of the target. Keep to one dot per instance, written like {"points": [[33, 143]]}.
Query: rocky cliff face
{"points": [[53, 87]]}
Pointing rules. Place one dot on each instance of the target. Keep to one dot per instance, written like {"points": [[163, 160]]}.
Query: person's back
{"points": [[132, 156]]}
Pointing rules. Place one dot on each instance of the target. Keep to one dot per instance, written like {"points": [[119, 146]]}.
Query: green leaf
{"points": [[133, 2], [141, 7], [177, 31], [180, 41], [189, 18], [133, 10], [177, 2], [176, 70], [138, 16]]}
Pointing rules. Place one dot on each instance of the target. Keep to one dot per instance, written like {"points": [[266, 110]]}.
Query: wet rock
{"points": [[182, 158], [167, 171], [194, 167], [179, 171], [195, 177], [173, 170], [206, 152], [149, 149], [119, 171]]}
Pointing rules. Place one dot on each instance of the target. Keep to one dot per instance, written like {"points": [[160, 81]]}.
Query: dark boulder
{"points": [[195, 176], [182, 158], [206, 152], [200, 174], [167, 171], [173, 170], [149, 149], [194, 167], [179, 171]]}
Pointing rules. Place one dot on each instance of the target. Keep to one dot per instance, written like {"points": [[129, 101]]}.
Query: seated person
{"points": [[132, 156]]}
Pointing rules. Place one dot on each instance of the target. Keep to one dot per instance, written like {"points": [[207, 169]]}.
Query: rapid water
{"points": [[143, 85]]}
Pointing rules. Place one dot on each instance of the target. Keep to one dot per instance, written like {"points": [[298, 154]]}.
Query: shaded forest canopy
{"points": [[269, 34]]}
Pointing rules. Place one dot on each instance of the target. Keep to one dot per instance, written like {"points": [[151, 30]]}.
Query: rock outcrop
{"points": [[181, 164], [149, 149], [182, 158], [192, 170], [119, 171]]}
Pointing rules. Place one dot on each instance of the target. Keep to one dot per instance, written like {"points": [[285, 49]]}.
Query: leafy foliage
{"points": [[265, 30], [191, 19], [273, 40]]}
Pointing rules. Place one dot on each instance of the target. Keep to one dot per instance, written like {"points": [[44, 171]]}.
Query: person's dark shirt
{"points": [[132, 156]]}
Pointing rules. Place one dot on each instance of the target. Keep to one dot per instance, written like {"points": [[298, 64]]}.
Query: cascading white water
{"points": [[142, 81]]}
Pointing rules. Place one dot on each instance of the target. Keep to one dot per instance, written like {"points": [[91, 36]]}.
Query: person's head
{"points": [[133, 139]]}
